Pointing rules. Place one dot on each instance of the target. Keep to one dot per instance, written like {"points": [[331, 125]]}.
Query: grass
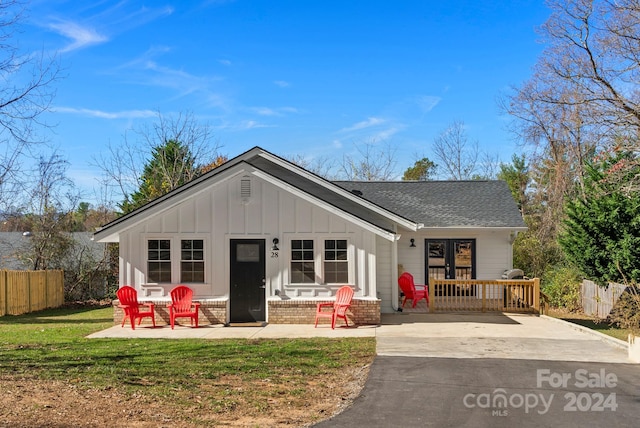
{"points": [[601, 326], [51, 345]]}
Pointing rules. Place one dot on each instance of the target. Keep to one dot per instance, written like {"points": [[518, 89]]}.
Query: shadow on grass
{"points": [[602, 326], [57, 315]]}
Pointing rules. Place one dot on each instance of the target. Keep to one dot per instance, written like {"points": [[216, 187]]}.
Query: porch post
{"points": [[536, 294], [394, 272]]}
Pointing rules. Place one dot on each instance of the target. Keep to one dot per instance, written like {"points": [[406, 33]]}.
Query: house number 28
{"points": [[274, 254]]}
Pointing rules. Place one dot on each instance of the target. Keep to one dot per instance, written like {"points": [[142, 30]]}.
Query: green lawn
{"points": [[51, 345]]}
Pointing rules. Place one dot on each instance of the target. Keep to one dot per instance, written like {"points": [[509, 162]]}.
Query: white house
{"points": [[261, 239]]}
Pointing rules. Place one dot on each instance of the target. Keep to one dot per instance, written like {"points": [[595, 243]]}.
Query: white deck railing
{"points": [[498, 295]]}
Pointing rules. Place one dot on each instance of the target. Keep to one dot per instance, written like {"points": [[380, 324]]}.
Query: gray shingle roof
{"points": [[10, 244], [14, 243], [444, 203]]}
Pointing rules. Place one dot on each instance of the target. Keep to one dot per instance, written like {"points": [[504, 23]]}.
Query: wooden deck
{"points": [[479, 296]]}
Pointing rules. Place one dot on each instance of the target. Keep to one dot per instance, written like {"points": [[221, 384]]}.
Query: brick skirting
{"points": [[294, 311], [361, 312], [211, 312]]}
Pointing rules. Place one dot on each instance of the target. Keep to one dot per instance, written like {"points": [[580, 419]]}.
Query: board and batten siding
{"points": [[218, 214], [494, 253], [385, 275]]}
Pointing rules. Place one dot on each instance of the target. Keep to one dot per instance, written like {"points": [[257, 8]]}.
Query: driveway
{"points": [[446, 370]]}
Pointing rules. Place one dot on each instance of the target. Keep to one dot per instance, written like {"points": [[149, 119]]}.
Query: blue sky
{"points": [[309, 78]]}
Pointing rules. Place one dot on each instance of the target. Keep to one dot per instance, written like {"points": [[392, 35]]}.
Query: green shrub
{"points": [[562, 285], [626, 311], [534, 256]]}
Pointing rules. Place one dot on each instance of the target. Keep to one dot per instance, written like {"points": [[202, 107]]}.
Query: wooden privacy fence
{"points": [[599, 301], [28, 291], [498, 295]]}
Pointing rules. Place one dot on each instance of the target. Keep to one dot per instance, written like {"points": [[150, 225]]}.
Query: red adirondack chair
{"points": [[411, 290], [338, 308], [181, 305], [128, 298]]}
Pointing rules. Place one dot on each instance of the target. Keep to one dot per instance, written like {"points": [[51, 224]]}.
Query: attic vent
{"points": [[245, 189], [357, 192]]}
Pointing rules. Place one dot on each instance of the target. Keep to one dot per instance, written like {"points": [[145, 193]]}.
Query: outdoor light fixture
{"points": [[275, 244], [413, 243]]}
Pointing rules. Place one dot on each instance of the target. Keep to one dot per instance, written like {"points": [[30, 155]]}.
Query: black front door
{"points": [[247, 274], [451, 259]]}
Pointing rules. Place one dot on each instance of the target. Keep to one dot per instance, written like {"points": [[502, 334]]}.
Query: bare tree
{"points": [[581, 99], [53, 200], [50, 244], [321, 166], [593, 45], [25, 93], [371, 162], [590, 73], [456, 154], [123, 165]]}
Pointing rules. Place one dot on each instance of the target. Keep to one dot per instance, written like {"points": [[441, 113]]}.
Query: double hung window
{"points": [[192, 260], [159, 260], [302, 262], [331, 266], [187, 259], [336, 262]]}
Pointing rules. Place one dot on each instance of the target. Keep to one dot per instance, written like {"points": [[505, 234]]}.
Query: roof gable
{"points": [[279, 171], [332, 194], [382, 205]]}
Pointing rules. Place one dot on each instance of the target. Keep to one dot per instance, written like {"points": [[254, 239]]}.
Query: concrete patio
{"points": [[512, 336]]}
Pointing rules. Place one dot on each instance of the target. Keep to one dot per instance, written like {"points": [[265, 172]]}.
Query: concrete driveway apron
{"points": [[446, 370]]}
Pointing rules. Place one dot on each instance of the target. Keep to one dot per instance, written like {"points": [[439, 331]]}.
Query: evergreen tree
{"points": [[601, 233], [423, 170], [171, 165], [516, 175]]}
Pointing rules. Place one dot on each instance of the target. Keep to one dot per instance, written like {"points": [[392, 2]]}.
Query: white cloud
{"points": [[252, 124], [225, 62], [80, 36], [140, 16], [385, 134], [102, 26], [289, 110], [265, 111], [428, 102], [127, 114], [371, 121], [145, 70], [280, 111], [217, 2], [281, 83]]}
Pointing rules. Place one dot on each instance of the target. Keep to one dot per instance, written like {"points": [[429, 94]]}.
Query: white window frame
{"points": [[318, 259], [176, 257], [290, 260], [204, 259], [348, 262], [147, 260]]}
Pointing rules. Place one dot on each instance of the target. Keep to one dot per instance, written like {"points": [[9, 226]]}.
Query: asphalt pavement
{"points": [[450, 370]]}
